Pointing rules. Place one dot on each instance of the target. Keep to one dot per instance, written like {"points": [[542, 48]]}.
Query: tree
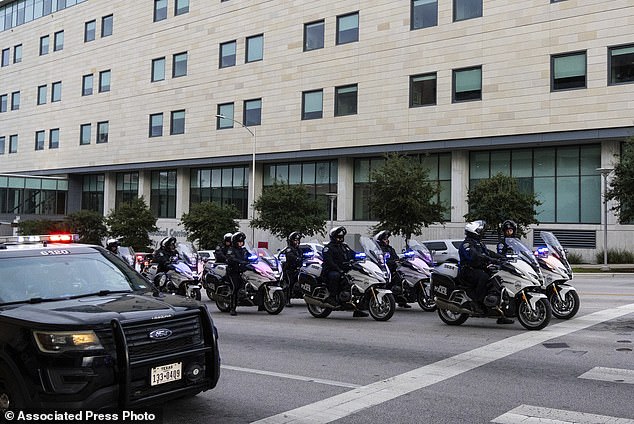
{"points": [[131, 222], [402, 199], [284, 208], [208, 222], [499, 198], [89, 225], [40, 226], [622, 185]]}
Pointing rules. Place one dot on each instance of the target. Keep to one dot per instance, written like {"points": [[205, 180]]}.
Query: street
{"points": [[415, 369]]}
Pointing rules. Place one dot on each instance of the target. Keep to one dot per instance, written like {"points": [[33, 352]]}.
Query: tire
{"points": [[318, 311], [11, 398], [425, 299], [223, 305], [275, 304], [195, 294], [537, 320], [210, 294], [567, 308], [452, 318], [382, 311]]}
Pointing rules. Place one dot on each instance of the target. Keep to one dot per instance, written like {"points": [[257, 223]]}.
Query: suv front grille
{"points": [[186, 333]]}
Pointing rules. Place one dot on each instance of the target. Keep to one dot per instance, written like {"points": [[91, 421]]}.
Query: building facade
{"points": [[177, 100]]}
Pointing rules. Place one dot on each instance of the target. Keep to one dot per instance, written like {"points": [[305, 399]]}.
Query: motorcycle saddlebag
{"points": [[307, 282], [442, 286]]}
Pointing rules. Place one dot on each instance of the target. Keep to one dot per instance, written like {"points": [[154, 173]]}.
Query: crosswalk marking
{"points": [[527, 414], [615, 375]]}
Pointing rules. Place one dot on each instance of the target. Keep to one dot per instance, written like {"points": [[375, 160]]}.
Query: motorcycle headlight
{"points": [[64, 341]]}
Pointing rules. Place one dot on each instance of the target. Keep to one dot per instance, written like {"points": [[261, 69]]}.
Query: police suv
{"points": [[81, 330]]}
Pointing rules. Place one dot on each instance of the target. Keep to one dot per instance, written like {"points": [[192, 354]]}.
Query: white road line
{"points": [[527, 414], [292, 377], [614, 375], [344, 404]]}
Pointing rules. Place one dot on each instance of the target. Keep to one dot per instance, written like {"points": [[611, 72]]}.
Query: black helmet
{"points": [[294, 236], [338, 233], [227, 237], [112, 244], [168, 243], [475, 229], [509, 224], [383, 236], [238, 237]]}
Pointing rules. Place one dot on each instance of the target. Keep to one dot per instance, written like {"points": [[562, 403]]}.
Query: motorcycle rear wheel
{"points": [[382, 311], [425, 299], [210, 294], [534, 320], [318, 311], [195, 294], [275, 303], [567, 308], [452, 318], [223, 305]]}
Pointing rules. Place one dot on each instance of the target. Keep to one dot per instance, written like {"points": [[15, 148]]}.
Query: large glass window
{"points": [[84, 134], [312, 104], [228, 54], [92, 192], [568, 71], [104, 81], [466, 9], [158, 69], [422, 90], [127, 187], [160, 10], [346, 100], [53, 138], [314, 35], [39, 140], [621, 64], [223, 185], [163, 194], [252, 112], [467, 84], [156, 125], [106, 26], [32, 195], [179, 65], [424, 14], [348, 28], [225, 110], [177, 122], [255, 48], [90, 29], [58, 41]]}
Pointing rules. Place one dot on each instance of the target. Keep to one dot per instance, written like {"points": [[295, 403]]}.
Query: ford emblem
{"points": [[161, 333]]}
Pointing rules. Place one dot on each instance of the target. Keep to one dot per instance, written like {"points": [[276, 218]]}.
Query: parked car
{"points": [[207, 255], [443, 250]]}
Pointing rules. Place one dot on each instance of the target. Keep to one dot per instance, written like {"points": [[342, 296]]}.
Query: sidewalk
{"points": [[614, 269]]}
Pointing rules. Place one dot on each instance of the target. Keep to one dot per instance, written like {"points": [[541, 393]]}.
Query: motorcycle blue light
{"points": [[253, 258], [359, 256], [409, 254]]}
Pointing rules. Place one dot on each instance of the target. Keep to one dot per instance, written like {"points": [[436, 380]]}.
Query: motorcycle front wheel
{"points": [[425, 299], [318, 311], [222, 304], [565, 308], [452, 318], [384, 309], [275, 303], [537, 319]]}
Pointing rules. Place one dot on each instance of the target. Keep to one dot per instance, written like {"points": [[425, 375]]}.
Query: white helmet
{"points": [[475, 229]]}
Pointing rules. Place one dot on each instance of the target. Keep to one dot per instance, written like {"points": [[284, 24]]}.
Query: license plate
{"points": [[166, 373]]}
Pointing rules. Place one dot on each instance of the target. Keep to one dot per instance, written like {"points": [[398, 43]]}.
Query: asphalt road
{"points": [[415, 369]]}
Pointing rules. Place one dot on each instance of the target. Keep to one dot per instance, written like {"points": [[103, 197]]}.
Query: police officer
{"points": [[164, 255], [292, 263], [383, 240], [337, 256], [221, 250], [474, 261], [509, 229], [237, 261], [113, 246]]}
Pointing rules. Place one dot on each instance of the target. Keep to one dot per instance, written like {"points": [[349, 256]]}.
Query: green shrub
{"points": [[616, 256], [574, 258]]}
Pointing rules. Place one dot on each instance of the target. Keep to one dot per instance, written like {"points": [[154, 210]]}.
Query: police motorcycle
{"points": [[414, 268], [557, 272], [261, 283], [180, 279], [363, 286], [311, 254], [521, 295]]}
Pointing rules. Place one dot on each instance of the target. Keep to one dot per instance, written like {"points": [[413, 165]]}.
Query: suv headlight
{"points": [[64, 341]]}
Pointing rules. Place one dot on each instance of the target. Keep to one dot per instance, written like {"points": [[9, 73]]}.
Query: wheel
{"points": [[384, 309], [534, 320], [195, 294], [452, 318], [275, 303], [11, 397], [566, 308], [318, 311], [222, 304], [210, 294], [425, 299]]}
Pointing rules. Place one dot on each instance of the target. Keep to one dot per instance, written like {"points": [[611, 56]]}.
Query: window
{"points": [[84, 134], [179, 65], [44, 41], [13, 143], [106, 26], [158, 69], [2, 141], [346, 100], [160, 10], [41, 95], [17, 54], [255, 48], [92, 192], [314, 36], [5, 57], [177, 122], [15, 100], [228, 185], [252, 112], [228, 54], [90, 28], [86, 85], [181, 7], [39, 140], [312, 104], [127, 188], [104, 81], [568, 71], [156, 125], [466, 9], [58, 41], [422, 90], [163, 194], [348, 28], [467, 84], [3, 103], [102, 132], [53, 138], [424, 14], [621, 64], [225, 110], [56, 91]]}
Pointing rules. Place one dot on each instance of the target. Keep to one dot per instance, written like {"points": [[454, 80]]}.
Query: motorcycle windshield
{"points": [[522, 251], [187, 253], [373, 252], [421, 251], [267, 257], [554, 246]]}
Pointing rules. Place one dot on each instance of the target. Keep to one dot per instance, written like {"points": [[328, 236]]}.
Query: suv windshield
{"points": [[56, 276]]}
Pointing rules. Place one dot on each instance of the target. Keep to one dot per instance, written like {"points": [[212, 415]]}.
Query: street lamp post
{"points": [[332, 197], [604, 174], [252, 197]]}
